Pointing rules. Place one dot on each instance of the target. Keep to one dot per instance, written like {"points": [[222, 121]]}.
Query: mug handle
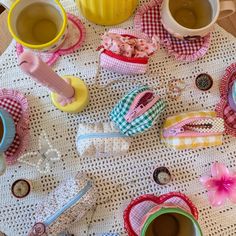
{"points": [[227, 8], [165, 197]]}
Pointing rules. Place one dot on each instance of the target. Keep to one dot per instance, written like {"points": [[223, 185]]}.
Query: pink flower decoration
{"points": [[221, 186]]}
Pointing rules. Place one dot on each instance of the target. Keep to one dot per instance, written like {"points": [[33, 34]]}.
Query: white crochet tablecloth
{"points": [[119, 179]]}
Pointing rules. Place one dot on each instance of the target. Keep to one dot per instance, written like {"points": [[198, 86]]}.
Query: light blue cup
{"points": [[9, 130]]}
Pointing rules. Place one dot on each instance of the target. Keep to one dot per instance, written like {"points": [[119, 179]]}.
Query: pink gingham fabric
{"points": [[112, 64], [122, 64], [17, 106], [223, 108], [137, 211], [148, 20], [74, 39]]}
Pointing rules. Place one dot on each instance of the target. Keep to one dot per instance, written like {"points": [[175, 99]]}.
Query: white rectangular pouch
{"points": [[101, 139]]}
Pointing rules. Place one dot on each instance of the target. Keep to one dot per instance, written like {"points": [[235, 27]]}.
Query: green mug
{"points": [[182, 223], [171, 214]]}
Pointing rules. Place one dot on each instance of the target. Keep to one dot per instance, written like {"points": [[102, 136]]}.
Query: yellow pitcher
{"points": [[107, 12]]}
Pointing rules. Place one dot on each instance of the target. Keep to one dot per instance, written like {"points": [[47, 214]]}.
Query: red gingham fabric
{"points": [[16, 105], [148, 20], [223, 108], [14, 109]]}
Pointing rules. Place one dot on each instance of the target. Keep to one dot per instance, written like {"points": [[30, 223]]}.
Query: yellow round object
{"points": [[107, 12], [81, 96]]}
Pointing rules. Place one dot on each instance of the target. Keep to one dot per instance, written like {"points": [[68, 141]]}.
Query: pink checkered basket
{"points": [[136, 211], [122, 64]]}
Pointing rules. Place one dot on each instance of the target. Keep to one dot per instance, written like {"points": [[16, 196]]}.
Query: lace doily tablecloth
{"points": [[118, 178]]}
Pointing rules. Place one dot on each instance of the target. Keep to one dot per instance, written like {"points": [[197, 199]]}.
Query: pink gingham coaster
{"points": [[223, 108], [16, 104], [148, 20], [74, 39], [137, 211]]}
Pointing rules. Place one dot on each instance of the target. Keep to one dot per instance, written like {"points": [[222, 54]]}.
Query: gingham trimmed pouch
{"points": [[193, 130], [101, 139], [68, 203], [137, 111], [122, 64]]}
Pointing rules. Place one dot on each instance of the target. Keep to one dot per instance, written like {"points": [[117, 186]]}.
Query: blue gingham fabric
{"points": [[141, 123]]}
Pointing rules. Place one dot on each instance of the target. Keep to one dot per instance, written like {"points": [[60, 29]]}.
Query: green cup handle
{"points": [[2, 164]]}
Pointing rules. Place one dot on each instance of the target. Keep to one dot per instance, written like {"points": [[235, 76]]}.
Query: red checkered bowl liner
{"points": [[16, 104], [136, 211], [148, 20], [74, 39], [223, 108]]}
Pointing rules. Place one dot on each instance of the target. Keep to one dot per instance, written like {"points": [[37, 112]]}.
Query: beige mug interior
{"points": [[36, 22], [215, 10], [172, 224]]}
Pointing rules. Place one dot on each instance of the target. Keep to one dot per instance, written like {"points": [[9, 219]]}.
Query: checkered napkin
{"points": [[137, 211], [148, 20], [223, 108], [17, 106], [139, 124], [74, 39]]}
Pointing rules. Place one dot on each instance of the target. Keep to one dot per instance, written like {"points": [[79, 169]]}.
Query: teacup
{"points": [[191, 19], [39, 25], [180, 222], [7, 130], [7, 135]]}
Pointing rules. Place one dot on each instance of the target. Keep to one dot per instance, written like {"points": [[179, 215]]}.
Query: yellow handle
{"points": [[227, 8]]}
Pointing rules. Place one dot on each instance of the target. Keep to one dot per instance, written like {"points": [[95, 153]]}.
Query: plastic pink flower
{"points": [[221, 186]]}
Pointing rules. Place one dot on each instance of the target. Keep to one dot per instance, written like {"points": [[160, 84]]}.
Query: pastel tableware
{"points": [[7, 130], [169, 214], [181, 223], [107, 12], [69, 94], [39, 25], [189, 28]]}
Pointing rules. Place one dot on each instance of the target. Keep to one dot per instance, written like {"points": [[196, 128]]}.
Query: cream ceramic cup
{"points": [[39, 25], [220, 9]]}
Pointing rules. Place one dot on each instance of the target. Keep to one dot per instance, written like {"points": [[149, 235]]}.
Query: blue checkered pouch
{"points": [[137, 111]]}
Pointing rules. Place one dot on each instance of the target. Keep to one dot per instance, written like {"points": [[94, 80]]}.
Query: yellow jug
{"points": [[107, 12]]}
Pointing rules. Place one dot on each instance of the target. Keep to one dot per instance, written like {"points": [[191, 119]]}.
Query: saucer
{"points": [[226, 108], [148, 20], [17, 106]]}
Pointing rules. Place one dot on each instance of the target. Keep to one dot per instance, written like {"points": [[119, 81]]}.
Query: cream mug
{"points": [[169, 10], [39, 25]]}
